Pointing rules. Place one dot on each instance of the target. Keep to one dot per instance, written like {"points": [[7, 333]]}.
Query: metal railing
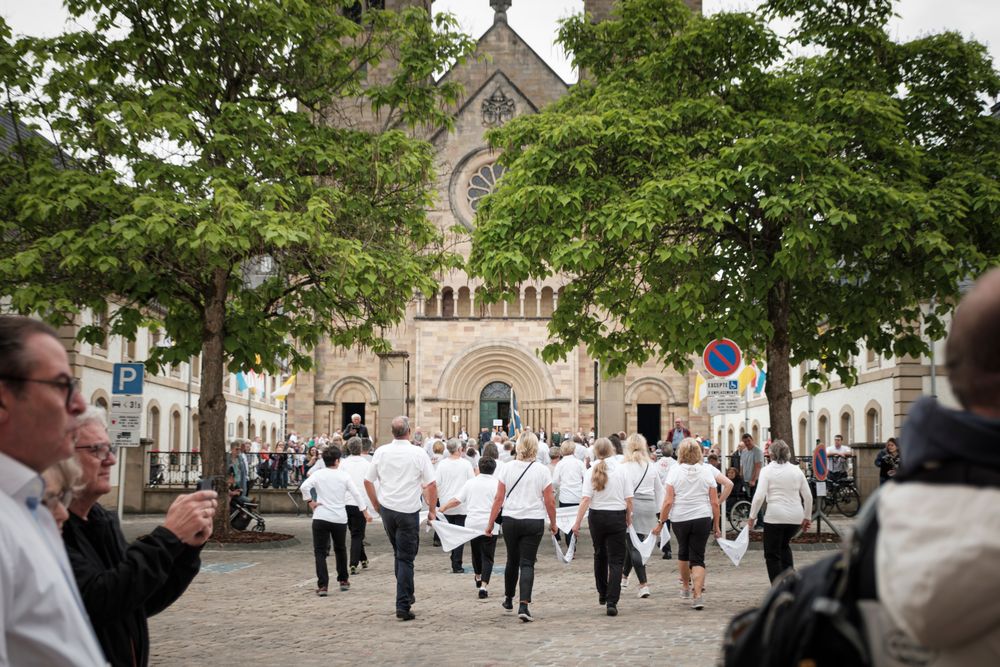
{"points": [[175, 469]]}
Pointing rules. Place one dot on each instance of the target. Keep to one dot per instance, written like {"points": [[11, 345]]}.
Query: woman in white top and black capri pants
{"points": [[789, 507], [607, 494], [525, 493], [692, 504]]}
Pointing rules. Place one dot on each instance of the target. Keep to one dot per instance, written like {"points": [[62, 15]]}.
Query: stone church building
{"points": [[455, 360]]}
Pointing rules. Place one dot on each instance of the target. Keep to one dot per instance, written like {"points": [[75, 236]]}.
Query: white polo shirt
{"points": [[451, 475], [568, 477], [525, 500], [614, 493], [335, 490], [477, 496], [357, 467], [402, 471]]}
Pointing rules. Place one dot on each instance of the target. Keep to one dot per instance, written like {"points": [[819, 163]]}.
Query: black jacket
{"points": [[124, 584], [350, 430]]}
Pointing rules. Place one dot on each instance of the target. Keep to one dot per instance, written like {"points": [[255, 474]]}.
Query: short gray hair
{"points": [[93, 414], [354, 446], [454, 445], [400, 427], [780, 452]]}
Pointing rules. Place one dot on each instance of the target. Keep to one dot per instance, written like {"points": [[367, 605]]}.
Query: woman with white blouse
{"points": [[608, 496], [691, 502], [525, 493], [789, 507], [567, 478], [647, 497]]}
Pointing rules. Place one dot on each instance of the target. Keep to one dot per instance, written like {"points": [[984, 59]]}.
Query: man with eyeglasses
{"points": [[43, 619], [123, 584]]}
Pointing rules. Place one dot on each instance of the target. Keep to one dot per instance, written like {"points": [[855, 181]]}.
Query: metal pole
{"points": [[597, 384], [188, 442], [933, 363], [121, 481], [810, 444]]}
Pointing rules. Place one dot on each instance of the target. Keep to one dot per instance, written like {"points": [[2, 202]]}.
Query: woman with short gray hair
{"points": [[789, 507]]}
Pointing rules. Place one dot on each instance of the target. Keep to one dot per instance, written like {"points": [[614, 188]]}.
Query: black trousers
{"points": [[457, 552], [609, 532], [356, 524], [692, 536], [777, 552], [403, 531], [483, 551], [323, 533], [633, 559], [521, 537]]}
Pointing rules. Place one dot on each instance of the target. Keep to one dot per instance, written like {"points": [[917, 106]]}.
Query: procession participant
{"points": [[476, 498], [647, 498]]}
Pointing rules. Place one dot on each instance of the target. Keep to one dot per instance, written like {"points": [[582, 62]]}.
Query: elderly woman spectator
{"points": [[525, 493], [691, 502], [61, 480], [789, 507]]}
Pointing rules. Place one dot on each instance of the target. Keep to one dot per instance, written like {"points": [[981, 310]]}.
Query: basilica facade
{"points": [[458, 363]]}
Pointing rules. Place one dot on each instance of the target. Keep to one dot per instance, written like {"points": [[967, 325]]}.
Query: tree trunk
{"points": [[778, 389], [212, 402]]}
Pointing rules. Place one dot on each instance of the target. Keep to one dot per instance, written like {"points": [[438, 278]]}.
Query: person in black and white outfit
{"points": [[335, 490], [525, 494], [607, 494], [451, 474], [647, 492], [476, 498], [402, 471], [567, 478], [356, 466]]}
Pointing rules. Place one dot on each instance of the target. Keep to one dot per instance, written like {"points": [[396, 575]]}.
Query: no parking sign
{"points": [[722, 357], [820, 465]]}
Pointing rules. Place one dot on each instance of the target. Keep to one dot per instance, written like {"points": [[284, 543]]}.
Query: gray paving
{"points": [[258, 607]]}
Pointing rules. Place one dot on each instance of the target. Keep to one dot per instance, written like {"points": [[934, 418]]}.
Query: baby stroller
{"points": [[242, 512]]}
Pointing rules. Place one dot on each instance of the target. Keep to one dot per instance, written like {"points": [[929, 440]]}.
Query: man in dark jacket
{"points": [[123, 584], [355, 428]]}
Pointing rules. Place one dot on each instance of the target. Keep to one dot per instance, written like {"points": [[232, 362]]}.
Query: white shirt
{"points": [[40, 607], [838, 464], [543, 454], [580, 452], [402, 471], [357, 467], [477, 496], [663, 466], [568, 478], [451, 475], [525, 500], [614, 493], [334, 492], [691, 484], [644, 481], [786, 491]]}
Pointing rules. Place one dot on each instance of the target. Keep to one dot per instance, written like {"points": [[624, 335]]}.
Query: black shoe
{"points": [[666, 555], [507, 604], [523, 613], [612, 610], [483, 594], [602, 600], [457, 570], [405, 615], [413, 600], [479, 583]]}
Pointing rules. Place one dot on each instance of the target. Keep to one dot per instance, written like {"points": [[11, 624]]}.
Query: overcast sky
{"points": [[537, 20]]}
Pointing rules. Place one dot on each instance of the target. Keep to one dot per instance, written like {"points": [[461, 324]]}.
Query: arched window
{"points": [[482, 183], [873, 424], [755, 431], [448, 302], [546, 306], [153, 426], [274, 433], [824, 430], [431, 306], [175, 430], [195, 435], [846, 427], [803, 435], [463, 303], [732, 439], [239, 428], [530, 302], [101, 402]]}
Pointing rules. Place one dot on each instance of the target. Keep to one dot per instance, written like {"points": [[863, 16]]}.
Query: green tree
{"points": [[250, 176], [704, 180]]}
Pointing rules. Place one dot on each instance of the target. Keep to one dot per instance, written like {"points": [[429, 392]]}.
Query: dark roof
{"points": [[9, 131]]}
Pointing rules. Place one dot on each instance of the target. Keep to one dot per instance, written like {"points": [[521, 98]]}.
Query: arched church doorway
{"points": [[494, 403]]}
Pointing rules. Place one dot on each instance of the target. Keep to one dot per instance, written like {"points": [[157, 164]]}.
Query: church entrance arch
{"points": [[494, 403]]}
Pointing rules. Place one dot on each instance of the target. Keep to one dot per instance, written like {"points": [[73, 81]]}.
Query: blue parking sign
{"points": [[127, 379]]}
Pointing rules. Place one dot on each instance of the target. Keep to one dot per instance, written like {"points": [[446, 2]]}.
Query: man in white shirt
{"points": [[476, 499], [838, 455], [452, 473], [356, 466], [43, 618], [402, 471]]}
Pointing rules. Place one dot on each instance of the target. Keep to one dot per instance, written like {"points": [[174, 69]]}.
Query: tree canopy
{"points": [[705, 179], [251, 174]]}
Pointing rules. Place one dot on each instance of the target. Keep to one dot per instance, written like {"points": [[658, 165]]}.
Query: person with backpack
{"points": [[691, 503], [939, 536], [789, 507]]}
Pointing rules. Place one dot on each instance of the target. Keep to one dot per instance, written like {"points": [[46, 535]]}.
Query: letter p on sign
{"points": [[127, 379]]}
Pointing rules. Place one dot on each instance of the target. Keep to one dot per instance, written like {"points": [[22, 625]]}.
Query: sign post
{"points": [[821, 469], [125, 416]]}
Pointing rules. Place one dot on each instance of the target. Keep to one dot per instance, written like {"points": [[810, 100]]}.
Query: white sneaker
{"points": [[685, 594], [624, 582], [644, 591], [697, 603]]}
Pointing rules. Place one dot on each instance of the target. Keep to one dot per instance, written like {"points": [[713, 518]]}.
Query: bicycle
{"points": [[843, 496]]}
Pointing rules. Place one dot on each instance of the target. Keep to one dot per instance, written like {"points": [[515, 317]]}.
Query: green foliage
{"points": [[703, 182]]}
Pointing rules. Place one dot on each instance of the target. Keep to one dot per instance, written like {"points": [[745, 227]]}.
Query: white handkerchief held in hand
{"points": [[566, 518], [567, 557], [644, 547], [737, 548], [453, 536]]}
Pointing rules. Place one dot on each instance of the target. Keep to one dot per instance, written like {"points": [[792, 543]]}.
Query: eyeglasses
{"points": [[101, 451], [50, 499], [70, 385]]}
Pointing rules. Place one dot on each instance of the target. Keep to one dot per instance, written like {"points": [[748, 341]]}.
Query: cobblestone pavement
{"points": [[258, 607]]}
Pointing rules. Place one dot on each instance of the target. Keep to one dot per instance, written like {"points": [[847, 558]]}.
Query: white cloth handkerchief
{"points": [[737, 548], [566, 518], [644, 547], [567, 557], [451, 535]]}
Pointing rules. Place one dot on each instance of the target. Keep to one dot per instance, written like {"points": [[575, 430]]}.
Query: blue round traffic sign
{"points": [[722, 357], [820, 466]]}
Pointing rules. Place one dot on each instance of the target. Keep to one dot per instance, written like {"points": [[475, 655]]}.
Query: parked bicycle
{"points": [[841, 496]]}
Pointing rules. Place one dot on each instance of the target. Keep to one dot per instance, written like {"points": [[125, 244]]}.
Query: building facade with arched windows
{"points": [[457, 362]]}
